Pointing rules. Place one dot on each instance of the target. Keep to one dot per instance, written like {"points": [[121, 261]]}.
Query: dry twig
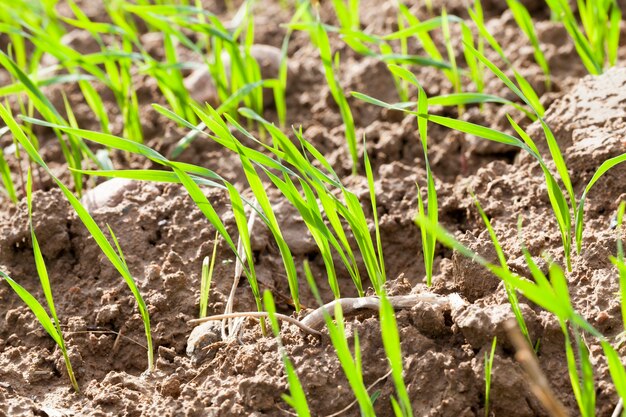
{"points": [[260, 314], [315, 320], [536, 378]]}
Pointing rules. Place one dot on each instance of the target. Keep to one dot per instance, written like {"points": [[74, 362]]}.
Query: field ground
{"points": [[165, 238]]}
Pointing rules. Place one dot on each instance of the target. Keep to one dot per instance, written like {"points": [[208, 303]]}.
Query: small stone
{"points": [[202, 339], [200, 82], [602, 317], [81, 41], [108, 194]]}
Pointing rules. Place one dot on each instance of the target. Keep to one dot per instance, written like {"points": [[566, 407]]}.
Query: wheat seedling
{"points": [[597, 41], [296, 398], [206, 278], [50, 322], [87, 220], [488, 369]]}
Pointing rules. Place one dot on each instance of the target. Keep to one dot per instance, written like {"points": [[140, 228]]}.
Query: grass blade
{"points": [[296, 398], [510, 292], [391, 343], [89, 223], [580, 211], [524, 21], [488, 370], [206, 278], [321, 39]]}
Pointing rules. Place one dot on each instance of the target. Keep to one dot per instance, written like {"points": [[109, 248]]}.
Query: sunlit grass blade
{"points": [[524, 21], [417, 28], [372, 192], [149, 175], [206, 278], [488, 369], [525, 91], [476, 130], [89, 223], [45, 284], [376, 102], [347, 14], [580, 211], [589, 395], [5, 172], [96, 104], [283, 71], [616, 369], [324, 238], [75, 156], [581, 379], [259, 192], [429, 240], [559, 161], [44, 81], [572, 369], [391, 343], [321, 39], [350, 365], [614, 35], [620, 262], [244, 239], [476, 69], [117, 245], [453, 99], [477, 16], [558, 202], [353, 213], [476, 98], [296, 398], [510, 292], [44, 319], [530, 93], [454, 74]]}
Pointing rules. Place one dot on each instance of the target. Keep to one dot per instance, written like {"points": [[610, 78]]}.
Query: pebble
{"points": [[200, 340], [108, 194], [200, 83]]}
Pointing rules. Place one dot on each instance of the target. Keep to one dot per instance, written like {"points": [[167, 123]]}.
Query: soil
{"points": [[165, 238]]}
